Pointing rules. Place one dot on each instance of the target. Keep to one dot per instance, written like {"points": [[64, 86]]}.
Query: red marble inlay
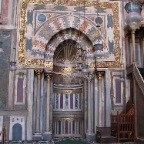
{"points": [[20, 89], [4, 13], [39, 44], [57, 24], [84, 25]]}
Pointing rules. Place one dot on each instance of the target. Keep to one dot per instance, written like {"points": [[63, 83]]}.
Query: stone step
{"points": [[108, 139]]}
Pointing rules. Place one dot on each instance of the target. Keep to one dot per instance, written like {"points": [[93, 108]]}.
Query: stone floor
{"points": [[52, 142], [55, 143], [63, 140]]}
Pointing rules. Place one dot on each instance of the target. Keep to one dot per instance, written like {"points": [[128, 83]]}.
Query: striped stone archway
{"points": [[72, 34], [49, 35]]}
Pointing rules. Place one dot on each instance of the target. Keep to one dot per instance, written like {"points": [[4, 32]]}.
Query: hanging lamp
{"points": [[133, 17]]}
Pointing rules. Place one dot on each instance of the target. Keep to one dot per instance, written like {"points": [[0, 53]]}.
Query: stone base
{"points": [[37, 137], [47, 136], [90, 136]]}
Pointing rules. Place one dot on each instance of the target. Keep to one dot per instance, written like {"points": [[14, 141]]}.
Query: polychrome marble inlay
{"points": [[41, 20]]}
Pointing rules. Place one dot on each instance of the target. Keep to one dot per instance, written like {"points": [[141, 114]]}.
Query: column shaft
{"points": [[90, 136], [133, 46], [48, 104], [99, 102], [99, 75], [85, 106], [38, 100], [89, 107]]}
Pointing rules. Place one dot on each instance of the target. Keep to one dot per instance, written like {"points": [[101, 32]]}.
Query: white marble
{"points": [[1, 126], [103, 102], [108, 97], [127, 89], [30, 79], [10, 90], [96, 103], [41, 102]]}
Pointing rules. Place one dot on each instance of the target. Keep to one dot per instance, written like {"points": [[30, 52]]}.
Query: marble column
{"points": [[99, 76], [90, 136], [48, 134], [108, 96], [85, 105], [89, 107], [37, 130], [133, 46]]}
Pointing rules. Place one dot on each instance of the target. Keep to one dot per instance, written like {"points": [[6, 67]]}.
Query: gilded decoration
{"points": [[68, 91], [67, 119], [39, 73], [100, 75], [24, 61], [64, 70]]}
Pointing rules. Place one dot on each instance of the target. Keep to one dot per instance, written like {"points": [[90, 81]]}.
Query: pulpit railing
{"points": [[138, 91], [123, 125]]}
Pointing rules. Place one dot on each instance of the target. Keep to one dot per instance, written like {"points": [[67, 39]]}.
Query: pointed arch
{"points": [[17, 132], [69, 34]]}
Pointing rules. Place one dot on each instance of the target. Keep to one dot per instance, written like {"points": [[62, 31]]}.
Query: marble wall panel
{"points": [[5, 40]]}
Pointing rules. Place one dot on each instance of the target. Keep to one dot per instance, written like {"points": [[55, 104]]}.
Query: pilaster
{"points": [[99, 76], [37, 135], [90, 136], [30, 84]]}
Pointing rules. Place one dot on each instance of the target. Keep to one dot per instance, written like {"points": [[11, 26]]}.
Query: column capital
{"points": [[38, 73], [133, 31], [99, 74], [89, 76], [48, 75]]}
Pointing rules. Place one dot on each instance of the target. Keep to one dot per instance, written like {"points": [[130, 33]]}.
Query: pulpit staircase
{"points": [[122, 126], [136, 76], [128, 125]]}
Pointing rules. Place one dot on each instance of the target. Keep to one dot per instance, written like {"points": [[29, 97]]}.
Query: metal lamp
{"points": [[133, 19]]}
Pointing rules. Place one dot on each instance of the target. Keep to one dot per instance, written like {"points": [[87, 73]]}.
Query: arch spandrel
{"points": [[50, 28]]}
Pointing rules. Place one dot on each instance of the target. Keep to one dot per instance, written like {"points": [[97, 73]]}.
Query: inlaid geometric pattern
{"points": [[41, 19]]}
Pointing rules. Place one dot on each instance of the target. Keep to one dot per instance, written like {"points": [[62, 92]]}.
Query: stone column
{"points": [[37, 130], [90, 136], [99, 76], [85, 105], [108, 96], [48, 134], [133, 46], [89, 107]]}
